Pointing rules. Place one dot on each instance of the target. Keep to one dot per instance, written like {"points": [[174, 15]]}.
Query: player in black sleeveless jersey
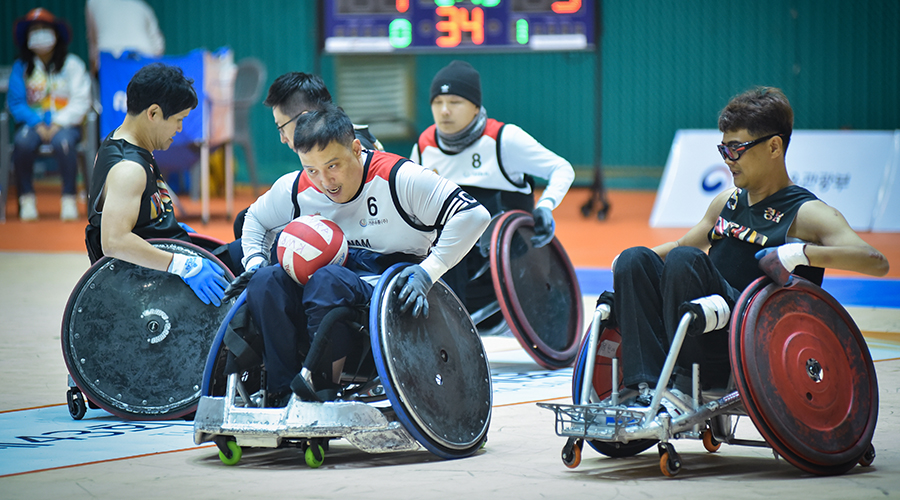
{"points": [[129, 200], [766, 224]]}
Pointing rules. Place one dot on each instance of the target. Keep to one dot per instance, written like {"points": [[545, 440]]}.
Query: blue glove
{"points": [[187, 228], [205, 279], [414, 294], [544, 227], [779, 262]]}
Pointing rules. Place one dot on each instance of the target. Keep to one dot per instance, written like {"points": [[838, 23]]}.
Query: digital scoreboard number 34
{"points": [[379, 26]]}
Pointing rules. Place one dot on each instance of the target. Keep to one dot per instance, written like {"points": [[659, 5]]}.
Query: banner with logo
{"points": [[887, 208], [849, 170]]}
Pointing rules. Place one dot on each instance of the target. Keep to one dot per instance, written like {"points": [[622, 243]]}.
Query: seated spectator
{"points": [[49, 96]]}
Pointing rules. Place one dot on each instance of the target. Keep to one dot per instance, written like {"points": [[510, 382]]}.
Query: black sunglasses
{"points": [[291, 120], [733, 152]]}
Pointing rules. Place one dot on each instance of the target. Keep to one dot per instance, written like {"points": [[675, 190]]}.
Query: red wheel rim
{"points": [[805, 375], [521, 318]]}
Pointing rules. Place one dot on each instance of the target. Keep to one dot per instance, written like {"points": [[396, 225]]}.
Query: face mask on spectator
{"points": [[41, 41]]}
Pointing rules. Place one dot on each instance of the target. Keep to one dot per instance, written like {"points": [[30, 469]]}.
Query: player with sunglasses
{"points": [[765, 224]]}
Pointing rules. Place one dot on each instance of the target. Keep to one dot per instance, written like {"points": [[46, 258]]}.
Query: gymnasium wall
{"points": [[665, 66]]}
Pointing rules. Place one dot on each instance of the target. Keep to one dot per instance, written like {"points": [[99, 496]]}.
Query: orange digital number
{"points": [[566, 7], [459, 20]]}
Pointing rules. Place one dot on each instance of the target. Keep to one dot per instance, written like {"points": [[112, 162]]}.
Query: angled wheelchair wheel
{"points": [[609, 346], [134, 339], [537, 291], [805, 375], [434, 370]]}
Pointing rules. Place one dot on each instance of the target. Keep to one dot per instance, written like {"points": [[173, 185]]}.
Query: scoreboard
{"points": [[384, 26]]}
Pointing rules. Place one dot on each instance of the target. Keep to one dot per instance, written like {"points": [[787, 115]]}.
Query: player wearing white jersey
{"points": [[390, 209], [492, 161]]}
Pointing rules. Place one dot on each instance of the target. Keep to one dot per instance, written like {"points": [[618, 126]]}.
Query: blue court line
{"points": [[859, 292]]}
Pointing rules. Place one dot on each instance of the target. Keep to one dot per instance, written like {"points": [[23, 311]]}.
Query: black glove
{"points": [[239, 284], [416, 284], [779, 262], [608, 298], [544, 227]]}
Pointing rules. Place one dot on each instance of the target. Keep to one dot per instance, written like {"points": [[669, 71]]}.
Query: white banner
{"points": [[887, 208], [853, 171]]}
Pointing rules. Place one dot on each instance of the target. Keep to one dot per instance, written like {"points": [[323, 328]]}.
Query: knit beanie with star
{"points": [[458, 78]]}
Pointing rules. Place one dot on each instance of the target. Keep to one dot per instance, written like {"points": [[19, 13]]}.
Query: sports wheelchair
{"points": [[134, 339], [800, 369], [532, 292], [416, 381]]}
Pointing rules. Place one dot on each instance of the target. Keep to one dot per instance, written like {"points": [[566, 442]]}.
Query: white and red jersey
{"points": [[401, 207], [500, 159]]}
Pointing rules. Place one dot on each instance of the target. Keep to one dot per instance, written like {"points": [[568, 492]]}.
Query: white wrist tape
{"points": [[255, 261], [716, 311], [792, 255], [184, 265]]}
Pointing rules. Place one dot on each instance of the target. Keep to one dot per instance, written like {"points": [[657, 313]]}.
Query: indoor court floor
{"points": [[46, 454]]}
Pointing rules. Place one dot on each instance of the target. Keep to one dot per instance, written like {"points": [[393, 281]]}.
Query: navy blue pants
{"points": [[27, 142], [649, 292], [289, 314]]}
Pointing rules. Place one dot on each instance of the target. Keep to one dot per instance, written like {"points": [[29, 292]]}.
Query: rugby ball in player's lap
{"points": [[309, 243]]}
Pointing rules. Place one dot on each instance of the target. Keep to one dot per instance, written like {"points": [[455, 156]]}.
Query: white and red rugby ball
{"points": [[309, 243]]}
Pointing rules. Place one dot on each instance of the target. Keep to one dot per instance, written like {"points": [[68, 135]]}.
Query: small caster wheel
{"points": [[711, 444], [669, 467], [314, 455], [231, 454], [669, 461], [76, 403], [868, 457], [571, 452], [586, 209]]}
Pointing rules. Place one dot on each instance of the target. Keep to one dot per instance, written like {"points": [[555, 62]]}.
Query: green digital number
{"points": [[522, 31], [400, 33]]}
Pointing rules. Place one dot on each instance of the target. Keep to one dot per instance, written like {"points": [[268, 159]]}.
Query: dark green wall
{"points": [[665, 65]]}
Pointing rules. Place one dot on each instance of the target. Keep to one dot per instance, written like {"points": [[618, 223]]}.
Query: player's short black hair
{"points": [[161, 84], [296, 92], [321, 127], [760, 110]]}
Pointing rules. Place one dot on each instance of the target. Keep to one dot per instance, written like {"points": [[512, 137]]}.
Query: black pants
{"points": [[649, 292], [289, 314]]}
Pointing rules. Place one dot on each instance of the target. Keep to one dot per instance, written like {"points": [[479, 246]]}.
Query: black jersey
{"points": [[742, 230], [156, 218]]}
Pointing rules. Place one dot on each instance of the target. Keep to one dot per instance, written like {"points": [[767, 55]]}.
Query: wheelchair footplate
{"points": [[302, 424]]}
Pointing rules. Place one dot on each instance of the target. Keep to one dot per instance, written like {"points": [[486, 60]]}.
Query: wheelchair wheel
{"points": [[134, 339], [805, 375], [434, 370], [537, 291], [609, 346]]}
